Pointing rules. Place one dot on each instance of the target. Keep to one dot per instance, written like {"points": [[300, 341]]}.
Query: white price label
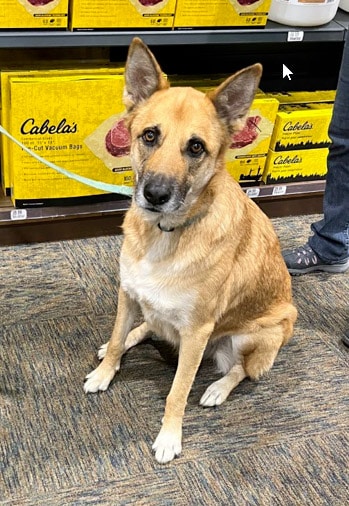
{"points": [[295, 36], [279, 190], [252, 192], [19, 214]]}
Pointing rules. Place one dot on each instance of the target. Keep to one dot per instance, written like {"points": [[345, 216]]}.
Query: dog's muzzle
{"points": [[160, 193]]}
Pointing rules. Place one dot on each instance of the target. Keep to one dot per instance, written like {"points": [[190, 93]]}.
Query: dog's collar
{"points": [[186, 224]]}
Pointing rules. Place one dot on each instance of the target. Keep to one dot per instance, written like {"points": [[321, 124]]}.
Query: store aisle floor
{"points": [[281, 441]]}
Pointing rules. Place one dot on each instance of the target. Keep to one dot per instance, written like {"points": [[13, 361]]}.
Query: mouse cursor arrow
{"points": [[286, 72]]}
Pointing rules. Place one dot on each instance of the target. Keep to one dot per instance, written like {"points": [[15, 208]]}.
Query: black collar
{"points": [[186, 224]]}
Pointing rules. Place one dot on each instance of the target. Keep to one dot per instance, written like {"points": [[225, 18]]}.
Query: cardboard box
{"points": [[302, 126], [5, 76], [303, 97], [294, 166], [109, 14], [246, 157], [24, 14], [66, 132], [221, 13]]}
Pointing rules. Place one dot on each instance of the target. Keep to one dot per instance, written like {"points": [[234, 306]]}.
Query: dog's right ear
{"points": [[143, 75]]}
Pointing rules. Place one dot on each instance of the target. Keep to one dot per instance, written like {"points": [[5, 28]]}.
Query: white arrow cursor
{"points": [[286, 72]]}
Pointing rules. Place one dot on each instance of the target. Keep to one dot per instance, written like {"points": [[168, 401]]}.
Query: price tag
{"points": [[295, 36], [252, 192], [19, 214], [279, 190]]}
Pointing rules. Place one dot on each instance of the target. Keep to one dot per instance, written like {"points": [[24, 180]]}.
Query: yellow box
{"points": [[303, 97], [302, 126], [79, 131], [221, 13], [293, 166], [43, 14], [5, 77], [108, 14], [246, 157]]}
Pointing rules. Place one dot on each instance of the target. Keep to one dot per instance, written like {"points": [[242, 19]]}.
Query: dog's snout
{"points": [[157, 191]]}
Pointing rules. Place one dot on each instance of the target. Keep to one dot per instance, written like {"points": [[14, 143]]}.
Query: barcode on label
{"points": [[295, 36], [19, 214], [279, 190], [252, 192]]}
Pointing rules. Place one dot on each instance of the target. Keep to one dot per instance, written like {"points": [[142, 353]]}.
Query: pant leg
{"points": [[331, 235]]}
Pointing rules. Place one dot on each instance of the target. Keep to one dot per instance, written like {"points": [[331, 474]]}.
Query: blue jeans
{"points": [[331, 235]]}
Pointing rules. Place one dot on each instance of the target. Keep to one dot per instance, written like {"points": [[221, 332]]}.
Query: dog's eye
{"points": [[196, 148], [149, 136]]}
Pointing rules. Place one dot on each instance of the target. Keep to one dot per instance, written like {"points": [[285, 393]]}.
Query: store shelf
{"points": [[53, 223], [90, 220], [273, 32]]}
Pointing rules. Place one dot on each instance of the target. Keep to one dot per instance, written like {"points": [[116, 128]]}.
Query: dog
{"points": [[199, 258]]}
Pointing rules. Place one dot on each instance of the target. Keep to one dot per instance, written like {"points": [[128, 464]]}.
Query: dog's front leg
{"points": [[168, 444], [100, 377]]}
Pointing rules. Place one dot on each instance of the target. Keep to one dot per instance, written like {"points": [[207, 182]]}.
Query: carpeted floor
{"points": [[281, 441]]}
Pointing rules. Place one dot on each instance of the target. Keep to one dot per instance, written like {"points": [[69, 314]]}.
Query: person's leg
{"points": [[328, 249]]}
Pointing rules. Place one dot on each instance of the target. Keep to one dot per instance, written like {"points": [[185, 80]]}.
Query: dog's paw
{"points": [[99, 379], [215, 395], [167, 446], [102, 351]]}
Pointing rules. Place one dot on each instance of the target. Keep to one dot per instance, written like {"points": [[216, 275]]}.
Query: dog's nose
{"points": [[157, 192]]}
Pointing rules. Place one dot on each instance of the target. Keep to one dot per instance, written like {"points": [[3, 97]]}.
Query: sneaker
{"points": [[303, 260]]}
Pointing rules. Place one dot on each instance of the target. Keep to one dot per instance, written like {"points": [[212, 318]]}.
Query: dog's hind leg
{"points": [[136, 336], [252, 356]]}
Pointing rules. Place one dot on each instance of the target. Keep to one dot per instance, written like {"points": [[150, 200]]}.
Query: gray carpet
{"points": [[281, 441]]}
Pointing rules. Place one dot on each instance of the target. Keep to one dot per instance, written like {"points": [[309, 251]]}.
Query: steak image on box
{"points": [[124, 14], [5, 75], [221, 13], [61, 131], [295, 166], [39, 14], [246, 157]]}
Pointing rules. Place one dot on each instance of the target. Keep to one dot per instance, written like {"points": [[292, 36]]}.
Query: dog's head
{"points": [[179, 135]]}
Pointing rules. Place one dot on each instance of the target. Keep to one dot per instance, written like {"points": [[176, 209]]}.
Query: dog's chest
{"points": [[159, 289]]}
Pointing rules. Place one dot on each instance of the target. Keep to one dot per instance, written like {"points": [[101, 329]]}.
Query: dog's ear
{"points": [[143, 75], [233, 98]]}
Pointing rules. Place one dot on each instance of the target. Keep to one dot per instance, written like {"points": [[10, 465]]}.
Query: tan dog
{"points": [[199, 258]]}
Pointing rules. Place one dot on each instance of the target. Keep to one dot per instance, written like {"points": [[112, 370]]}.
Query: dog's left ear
{"points": [[233, 98], [143, 75]]}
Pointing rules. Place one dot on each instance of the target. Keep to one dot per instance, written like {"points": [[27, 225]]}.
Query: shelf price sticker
{"points": [[252, 192], [295, 36], [18, 214], [279, 190]]}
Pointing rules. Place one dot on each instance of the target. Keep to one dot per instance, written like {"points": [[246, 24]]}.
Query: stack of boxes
{"points": [[130, 14], [299, 144]]}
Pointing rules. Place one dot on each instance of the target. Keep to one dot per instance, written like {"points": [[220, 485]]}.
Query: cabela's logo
{"points": [[286, 160], [29, 127], [289, 126]]}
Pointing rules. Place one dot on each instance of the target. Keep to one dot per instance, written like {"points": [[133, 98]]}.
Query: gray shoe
{"points": [[303, 260]]}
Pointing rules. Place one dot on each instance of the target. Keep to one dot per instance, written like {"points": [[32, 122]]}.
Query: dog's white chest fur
{"points": [[156, 288]]}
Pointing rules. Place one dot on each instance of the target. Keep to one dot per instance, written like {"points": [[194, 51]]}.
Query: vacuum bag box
{"points": [[38, 14], [221, 13], [109, 14], [76, 122], [45, 71]]}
